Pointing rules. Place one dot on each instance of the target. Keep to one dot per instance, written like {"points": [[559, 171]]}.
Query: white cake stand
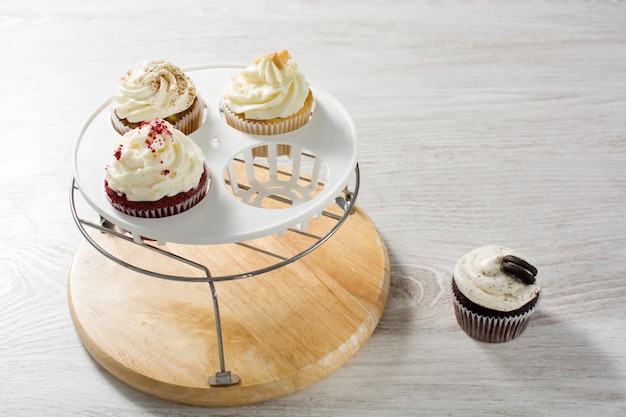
{"points": [[288, 323], [328, 143]]}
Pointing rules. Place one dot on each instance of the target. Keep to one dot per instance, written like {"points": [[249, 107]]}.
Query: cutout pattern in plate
{"points": [[273, 181]]}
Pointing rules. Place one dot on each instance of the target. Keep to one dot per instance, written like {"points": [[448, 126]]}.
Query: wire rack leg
{"points": [[222, 377]]}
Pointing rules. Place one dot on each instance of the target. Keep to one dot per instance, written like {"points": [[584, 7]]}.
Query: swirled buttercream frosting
{"points": [[154, 161], [273, 87], [158, 89], [481, 277]]}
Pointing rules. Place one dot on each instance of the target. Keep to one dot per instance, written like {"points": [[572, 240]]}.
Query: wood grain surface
{"points": [[479, 122], [281, 331]]}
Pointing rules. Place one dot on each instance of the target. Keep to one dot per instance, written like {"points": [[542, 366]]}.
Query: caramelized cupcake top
{"points": [[486, 277], [273, 87], [154, 161], [158, 89]]}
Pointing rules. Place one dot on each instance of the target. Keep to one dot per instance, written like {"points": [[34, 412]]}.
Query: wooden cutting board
{"points": [[282, 330]]}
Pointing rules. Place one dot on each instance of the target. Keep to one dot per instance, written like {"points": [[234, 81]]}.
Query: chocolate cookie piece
{"points": [[519, 268]]}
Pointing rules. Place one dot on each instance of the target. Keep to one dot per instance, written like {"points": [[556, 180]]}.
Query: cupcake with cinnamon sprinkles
{"points": [[270, 97], [156, 171], [495, 293], [158, 89]]}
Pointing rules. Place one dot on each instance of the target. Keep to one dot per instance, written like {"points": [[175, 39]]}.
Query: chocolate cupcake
{"points": [[495, 292]]}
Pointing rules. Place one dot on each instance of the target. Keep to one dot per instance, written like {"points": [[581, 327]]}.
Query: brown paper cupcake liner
{"points": [[489, 328]]}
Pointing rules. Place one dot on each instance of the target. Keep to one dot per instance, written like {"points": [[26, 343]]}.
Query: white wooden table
{"points": [[479, 122]]}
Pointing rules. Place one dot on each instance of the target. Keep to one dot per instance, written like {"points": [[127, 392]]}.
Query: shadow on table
{"points": [[559, 358]]}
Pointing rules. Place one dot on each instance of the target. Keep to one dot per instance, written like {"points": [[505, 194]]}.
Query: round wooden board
{"points": [[282, 330]]}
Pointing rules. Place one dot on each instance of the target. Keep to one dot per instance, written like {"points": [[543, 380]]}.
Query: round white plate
{"points": [[330, 135]]}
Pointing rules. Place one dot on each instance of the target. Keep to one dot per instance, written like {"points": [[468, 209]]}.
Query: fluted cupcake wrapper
{"points": [[270, 127], [155, 213], [491, 329], [189, 121], [165, 209], [256, 127]]}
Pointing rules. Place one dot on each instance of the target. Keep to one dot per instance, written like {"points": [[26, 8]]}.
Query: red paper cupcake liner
{"points": [[167, 206]]}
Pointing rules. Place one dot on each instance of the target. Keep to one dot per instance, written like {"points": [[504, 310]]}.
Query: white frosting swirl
{"points": [[153, 161], [272, 87], [480, 278], [156, 90]]}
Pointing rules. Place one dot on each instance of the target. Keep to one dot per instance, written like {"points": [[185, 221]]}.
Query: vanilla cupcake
{"points": [[158, 89], [156, 171], [495, 292], [269, 97]]}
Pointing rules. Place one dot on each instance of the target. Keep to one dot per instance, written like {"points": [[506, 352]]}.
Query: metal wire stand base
{"points": [[222, 377]]}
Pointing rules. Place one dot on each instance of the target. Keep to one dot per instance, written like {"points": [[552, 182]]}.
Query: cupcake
{"points": [[269, 97], [158, 89], [156, 171], [495, 292]]}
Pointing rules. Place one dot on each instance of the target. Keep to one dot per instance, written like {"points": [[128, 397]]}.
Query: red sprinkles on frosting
{"points": [[118, 152], [156, 127], [165, 172]]}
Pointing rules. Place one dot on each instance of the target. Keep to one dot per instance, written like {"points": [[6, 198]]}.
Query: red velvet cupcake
{"points": [[157, 171]]}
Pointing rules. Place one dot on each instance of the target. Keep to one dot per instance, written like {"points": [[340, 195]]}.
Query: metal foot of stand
{"points": [[223, 379]]}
